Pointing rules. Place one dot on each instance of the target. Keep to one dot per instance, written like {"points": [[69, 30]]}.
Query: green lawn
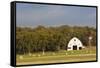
{"points": [[57, 57]]}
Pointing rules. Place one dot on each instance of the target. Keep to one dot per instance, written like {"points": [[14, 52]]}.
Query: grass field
{"points": [[57, 57]]}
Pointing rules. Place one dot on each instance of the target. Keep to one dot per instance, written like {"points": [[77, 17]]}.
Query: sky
{"points": [[32, 15]]}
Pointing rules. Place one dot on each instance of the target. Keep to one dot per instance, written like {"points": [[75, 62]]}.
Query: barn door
{"points": [[74, 47]]}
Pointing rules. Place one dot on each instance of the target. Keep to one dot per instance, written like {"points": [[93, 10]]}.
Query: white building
{"points": [[75, 44]]}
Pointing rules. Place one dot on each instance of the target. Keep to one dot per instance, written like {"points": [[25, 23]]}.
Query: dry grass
{"points": [[88, 54]]}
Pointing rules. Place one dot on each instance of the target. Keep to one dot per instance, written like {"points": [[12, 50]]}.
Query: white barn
{"points": [[75, 44]]}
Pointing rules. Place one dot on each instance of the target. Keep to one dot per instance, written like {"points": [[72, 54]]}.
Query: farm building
{"points": [[75, 44]]}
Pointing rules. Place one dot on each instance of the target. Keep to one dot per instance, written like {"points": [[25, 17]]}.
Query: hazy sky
{"points": [[54, 15]]}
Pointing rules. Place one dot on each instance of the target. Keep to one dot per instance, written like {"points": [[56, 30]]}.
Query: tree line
{"points": [[42, 39]]}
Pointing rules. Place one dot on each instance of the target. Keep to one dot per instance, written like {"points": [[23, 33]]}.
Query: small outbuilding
{"points": [[75, 44]]}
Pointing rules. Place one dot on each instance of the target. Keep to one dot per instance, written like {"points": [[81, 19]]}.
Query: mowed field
{"points": [[57, 57]]}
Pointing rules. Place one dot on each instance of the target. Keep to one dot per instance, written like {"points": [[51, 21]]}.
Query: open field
{"points": [[57, 57]]}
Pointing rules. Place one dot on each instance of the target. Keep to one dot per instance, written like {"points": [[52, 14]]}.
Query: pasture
{"points": [[57, 57]]}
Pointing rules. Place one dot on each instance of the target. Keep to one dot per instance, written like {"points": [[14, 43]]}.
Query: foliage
{"points": [[30, 40]]}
